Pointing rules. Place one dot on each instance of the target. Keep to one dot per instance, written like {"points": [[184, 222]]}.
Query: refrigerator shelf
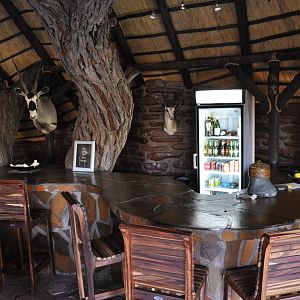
{"points": [[222, 173], [222, 137], [222, 157], [220, 189]]}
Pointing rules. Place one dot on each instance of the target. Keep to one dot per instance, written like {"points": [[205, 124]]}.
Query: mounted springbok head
{"points": [[170, 125], [41, 109]]}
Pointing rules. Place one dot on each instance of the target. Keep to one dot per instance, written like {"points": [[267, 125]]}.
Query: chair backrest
{"points": [[13, 201], [158, 258], [279, 264], [80, 230]]}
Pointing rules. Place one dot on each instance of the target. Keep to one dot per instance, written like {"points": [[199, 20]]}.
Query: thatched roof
{"points": [[241, 28]]}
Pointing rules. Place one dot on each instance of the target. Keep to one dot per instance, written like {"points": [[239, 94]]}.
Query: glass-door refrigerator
{"points": [[225, 140]]}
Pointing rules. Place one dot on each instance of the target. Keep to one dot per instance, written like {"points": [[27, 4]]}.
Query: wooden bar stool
{"points": [[97, 253], [15, 213], [159, 264], [277, 274]]}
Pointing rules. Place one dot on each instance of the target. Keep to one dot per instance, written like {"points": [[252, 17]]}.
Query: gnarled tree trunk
{"points": [[11, 111], [80, 32]]}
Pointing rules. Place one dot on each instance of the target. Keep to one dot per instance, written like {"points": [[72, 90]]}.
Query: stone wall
{"points": [[149, 149], [289, 135]]}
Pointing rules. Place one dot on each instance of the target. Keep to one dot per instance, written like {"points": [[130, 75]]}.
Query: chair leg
{"points": [[90, 280], [1, 270], [20, 247], [79, 275], [225, 296], [30, 261], [50, 245]]}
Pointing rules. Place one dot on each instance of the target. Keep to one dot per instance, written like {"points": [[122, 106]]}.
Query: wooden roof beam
{"points": [[166, 17], [5, 76], [248, 83], [241, 13], [125, 49], [24, 28], [289, 91], [219, 61]]}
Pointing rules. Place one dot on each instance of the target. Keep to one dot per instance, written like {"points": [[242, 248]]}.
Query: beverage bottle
{"points": [[217, 128], [205, 150], [208, 126], [209, 151], [222, 151], [216, 148], [237, 149], [227, 148], [212, 126], [231, 148]]}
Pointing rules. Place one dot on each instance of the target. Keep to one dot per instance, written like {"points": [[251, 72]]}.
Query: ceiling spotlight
{"points": [[152, 16], [217, 7], [182, 6]]}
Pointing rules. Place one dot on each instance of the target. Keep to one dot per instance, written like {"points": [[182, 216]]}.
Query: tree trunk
{"points": [[10, 113], [80, 32]]}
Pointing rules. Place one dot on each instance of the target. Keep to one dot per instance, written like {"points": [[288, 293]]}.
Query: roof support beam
{"points": [[219, 61], [247, 83], [241, 12], [289, 91], [166, 17], [24, 28], [125, 49]]}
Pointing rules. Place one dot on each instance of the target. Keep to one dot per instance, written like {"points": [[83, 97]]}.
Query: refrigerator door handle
{"points": [[195, 161]]}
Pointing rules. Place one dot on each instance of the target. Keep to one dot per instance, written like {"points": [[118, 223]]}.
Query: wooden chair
{"points": [[277, 273], [159, 264], [96, 253], [15, 213]]}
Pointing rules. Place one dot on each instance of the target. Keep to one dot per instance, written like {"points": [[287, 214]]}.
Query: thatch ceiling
{"points": [[239, 29]]}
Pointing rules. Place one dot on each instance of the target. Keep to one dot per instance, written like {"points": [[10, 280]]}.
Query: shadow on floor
{"points": [[61, 287]]}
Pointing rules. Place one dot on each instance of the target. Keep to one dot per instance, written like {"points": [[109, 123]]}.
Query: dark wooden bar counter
{"points": [[227, 229]]}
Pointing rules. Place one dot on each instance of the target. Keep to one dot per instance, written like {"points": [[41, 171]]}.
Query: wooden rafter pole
{"points": [[125, 49], [289, 91], [218, 61], [247, 83], [24, 28], [273, 91], [241, 13], [166, 17]]}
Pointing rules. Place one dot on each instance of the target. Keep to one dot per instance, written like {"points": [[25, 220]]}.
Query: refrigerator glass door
{"points": [[220, 148]]}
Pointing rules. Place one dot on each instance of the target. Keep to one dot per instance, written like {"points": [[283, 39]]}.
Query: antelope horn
{"points": [[20, 78], [37, 77]]}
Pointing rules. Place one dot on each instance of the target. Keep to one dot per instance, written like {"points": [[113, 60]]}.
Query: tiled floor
{"points": [[61, 287]]}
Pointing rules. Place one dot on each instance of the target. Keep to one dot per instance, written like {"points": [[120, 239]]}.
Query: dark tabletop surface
{"points": [[165, 201]]}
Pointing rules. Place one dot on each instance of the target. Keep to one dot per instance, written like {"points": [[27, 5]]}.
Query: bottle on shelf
{"points": [[227, 148], [222, 150], [205, 150], [210, 148], [236, 150], [208, 126], [231, 143], [217, 128], [212, 126], [216, 148]]}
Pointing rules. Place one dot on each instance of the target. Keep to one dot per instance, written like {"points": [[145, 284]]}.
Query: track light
{"points": [[182, 6], [217, 7], [152, 16]]}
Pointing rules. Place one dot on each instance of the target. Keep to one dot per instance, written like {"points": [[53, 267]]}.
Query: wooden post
{"points": [[50, 148], [273, 92]]}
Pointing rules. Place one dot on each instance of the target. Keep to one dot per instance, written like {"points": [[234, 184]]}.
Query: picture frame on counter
{"points": [[84, 156]]}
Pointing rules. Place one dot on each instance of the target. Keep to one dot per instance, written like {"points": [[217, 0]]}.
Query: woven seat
{"points": [[97, 253], [159, 264], [15, 213], [277, 273]]}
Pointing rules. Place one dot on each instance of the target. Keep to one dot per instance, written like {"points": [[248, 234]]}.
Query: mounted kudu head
{"points": [[170, 125], [41, 109]]}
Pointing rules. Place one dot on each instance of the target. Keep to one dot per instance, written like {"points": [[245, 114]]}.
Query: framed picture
{"points": [[84, 156]]}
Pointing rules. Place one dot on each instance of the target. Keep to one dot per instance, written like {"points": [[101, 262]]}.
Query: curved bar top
{"points": [[227, 230], [167, 202]]}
